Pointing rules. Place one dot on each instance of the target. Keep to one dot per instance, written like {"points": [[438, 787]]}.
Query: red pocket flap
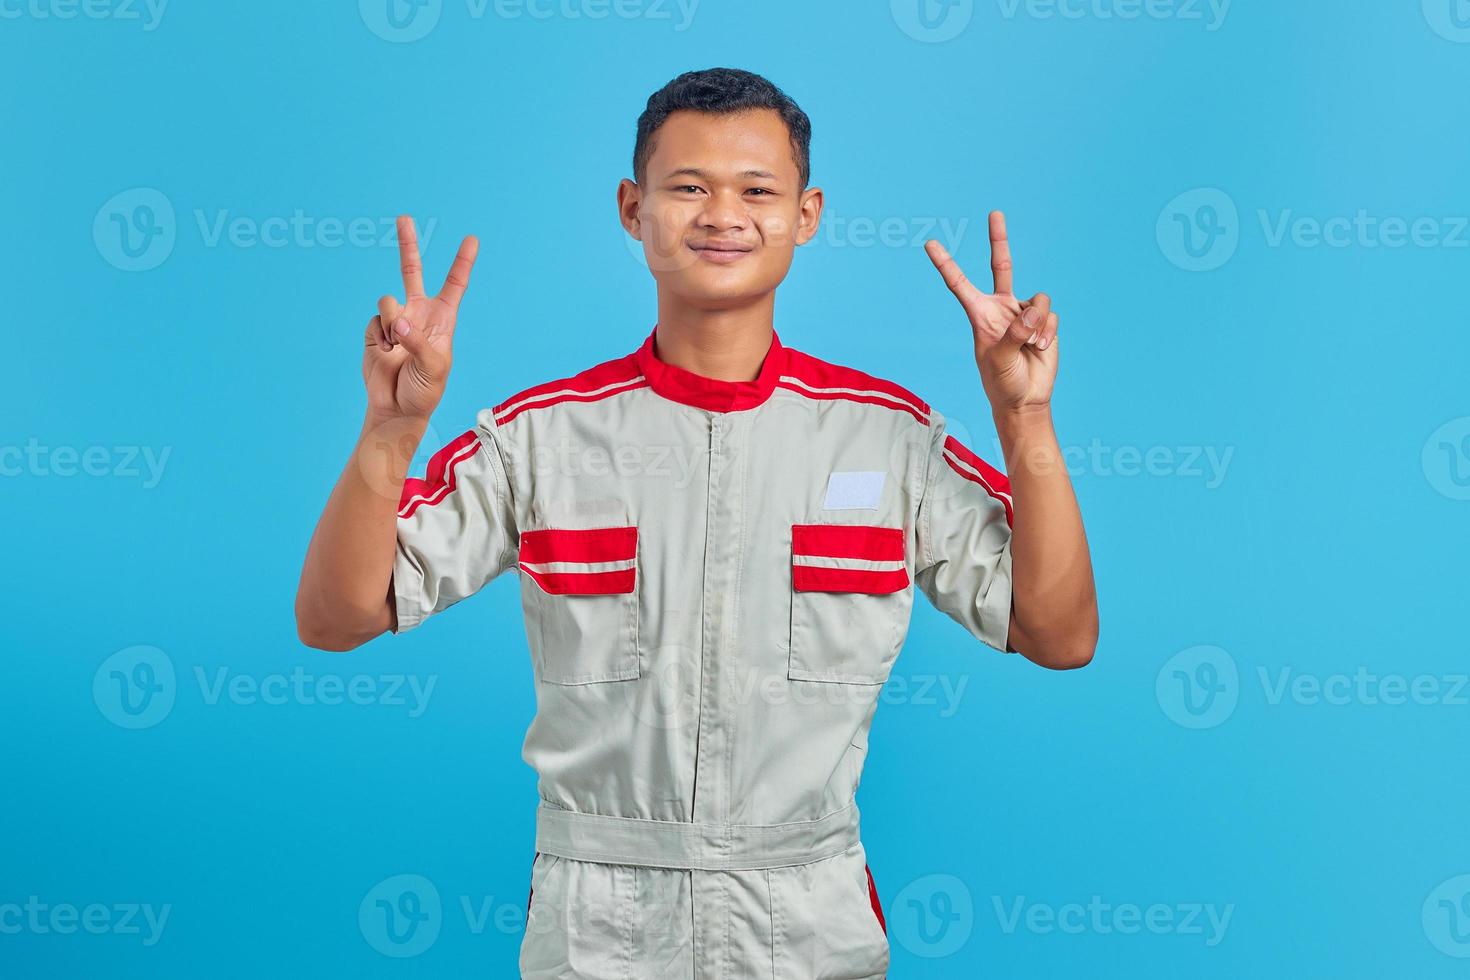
{"points": [[581, 561], [848, 558]]}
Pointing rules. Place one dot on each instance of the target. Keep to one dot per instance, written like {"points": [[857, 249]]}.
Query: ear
{"points": [[810, 216], [630, 199]]}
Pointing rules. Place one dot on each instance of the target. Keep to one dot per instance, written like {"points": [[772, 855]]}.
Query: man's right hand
{"points": [[408, 348]]}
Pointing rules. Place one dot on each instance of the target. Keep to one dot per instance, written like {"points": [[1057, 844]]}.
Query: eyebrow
{"points": [[696, 172]]}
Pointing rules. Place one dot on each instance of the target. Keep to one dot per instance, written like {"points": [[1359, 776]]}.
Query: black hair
{"points": [[722, 91]]}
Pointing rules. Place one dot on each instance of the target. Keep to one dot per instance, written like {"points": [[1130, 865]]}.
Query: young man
{"points": [[718, 539]]}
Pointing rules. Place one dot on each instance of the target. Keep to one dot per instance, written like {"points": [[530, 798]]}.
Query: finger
{"points": [[459, 271], [1049, 333], [414, 338], [408, 258], [1027, 327], [375, 335], [954, 276], [389, 309], [1000, 253]]}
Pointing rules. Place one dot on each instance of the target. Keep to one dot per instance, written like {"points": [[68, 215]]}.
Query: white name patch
{"points": [[854, 490]]}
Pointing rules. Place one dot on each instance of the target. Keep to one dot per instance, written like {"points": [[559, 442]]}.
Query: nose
{"points": [[723, 211]]}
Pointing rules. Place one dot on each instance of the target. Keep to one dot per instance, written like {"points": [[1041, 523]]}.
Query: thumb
{"points": [[1029, 324], [430, 360]]}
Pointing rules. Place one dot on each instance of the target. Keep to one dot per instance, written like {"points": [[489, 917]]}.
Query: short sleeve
{"points": [[964, 532], [456, 526]]}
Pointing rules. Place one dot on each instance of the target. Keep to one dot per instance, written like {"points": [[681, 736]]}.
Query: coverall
{"points": [[717, 578]]}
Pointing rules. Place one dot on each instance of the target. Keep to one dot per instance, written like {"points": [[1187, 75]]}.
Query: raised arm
{"points": [[343, 598], [1054, 618]]}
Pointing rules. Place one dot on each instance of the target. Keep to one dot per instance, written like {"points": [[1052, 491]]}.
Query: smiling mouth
{"points": [[720, 255]]}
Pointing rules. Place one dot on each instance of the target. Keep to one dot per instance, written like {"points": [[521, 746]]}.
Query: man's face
{"points": [[720, 210]]}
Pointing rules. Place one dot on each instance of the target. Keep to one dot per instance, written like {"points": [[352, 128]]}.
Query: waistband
{"points": [[692, 846]]}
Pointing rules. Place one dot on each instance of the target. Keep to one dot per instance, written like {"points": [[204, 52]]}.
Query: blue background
{"points": [[1335, 377]]}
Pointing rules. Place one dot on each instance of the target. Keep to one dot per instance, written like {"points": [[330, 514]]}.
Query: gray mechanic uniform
{"points": [[717, 578]]}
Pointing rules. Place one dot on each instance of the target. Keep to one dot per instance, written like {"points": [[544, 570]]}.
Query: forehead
{"points": [[724, 145]]}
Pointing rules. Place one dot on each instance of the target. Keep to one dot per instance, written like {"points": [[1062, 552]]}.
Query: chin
{"points": [[731, 293], [719, 284]]}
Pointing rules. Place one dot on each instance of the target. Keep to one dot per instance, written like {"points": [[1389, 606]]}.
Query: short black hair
{"points": [[722, 91]]}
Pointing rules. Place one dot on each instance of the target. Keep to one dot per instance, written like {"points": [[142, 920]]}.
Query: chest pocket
{"points": [[579, 591], [850, 602]]}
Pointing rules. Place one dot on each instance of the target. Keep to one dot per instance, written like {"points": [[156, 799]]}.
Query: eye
{"points": [[688, 187], [762, 190]]}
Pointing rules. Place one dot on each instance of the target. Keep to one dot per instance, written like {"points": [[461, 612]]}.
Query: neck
{"points": [[724, 344]]}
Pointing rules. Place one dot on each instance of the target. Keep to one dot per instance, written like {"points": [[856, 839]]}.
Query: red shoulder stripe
{"points": [[439, 481], [979, 472], [601, 381], [816, 378]]}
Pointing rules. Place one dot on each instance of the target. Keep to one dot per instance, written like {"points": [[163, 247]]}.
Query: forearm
{"points": [[1054, 599], [343, 600]]}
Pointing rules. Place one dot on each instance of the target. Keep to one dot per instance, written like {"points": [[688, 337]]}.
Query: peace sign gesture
{"points": [[405, 363], [1015, 341]]}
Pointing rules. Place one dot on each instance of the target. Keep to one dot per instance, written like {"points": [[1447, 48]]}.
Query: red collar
{"points": [[711, 394]]}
